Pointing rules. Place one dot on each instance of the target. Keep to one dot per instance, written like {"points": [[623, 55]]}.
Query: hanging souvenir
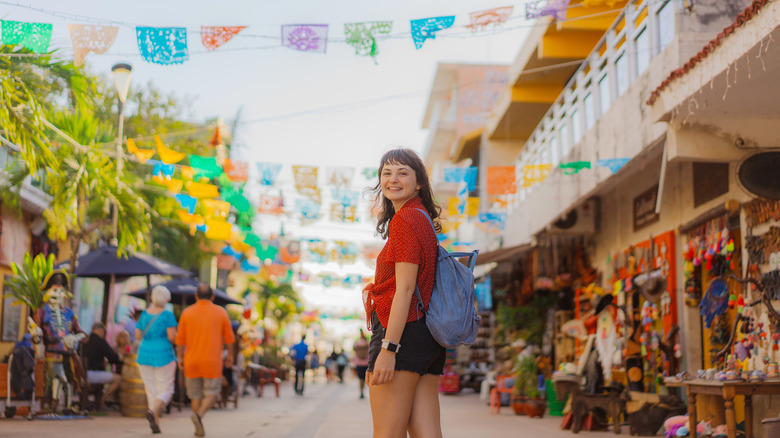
{"points": [[90, 38]]}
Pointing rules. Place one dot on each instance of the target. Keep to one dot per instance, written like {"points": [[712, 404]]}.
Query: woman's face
{"points": [[398, 183]]}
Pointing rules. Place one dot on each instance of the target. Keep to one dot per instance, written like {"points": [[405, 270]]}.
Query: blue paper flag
{"points": [[614, 164], [497, 220], [187, 201], [268, 172], [345, 197], [163, 45], [160, 168], [425, 28], [462, 174], [248, 267], [228, 250], [307, 208]]}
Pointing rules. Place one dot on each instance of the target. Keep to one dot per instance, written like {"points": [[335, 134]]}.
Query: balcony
{"points": [[34, 192]]}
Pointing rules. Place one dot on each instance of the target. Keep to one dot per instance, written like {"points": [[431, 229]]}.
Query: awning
{"points": [[467, 145], [503, 254]]}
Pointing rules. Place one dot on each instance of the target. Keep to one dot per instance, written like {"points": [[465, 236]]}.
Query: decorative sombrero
{"points": [[56, 277]]}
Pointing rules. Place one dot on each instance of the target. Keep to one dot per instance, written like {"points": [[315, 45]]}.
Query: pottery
{"points": [[535, 407]]}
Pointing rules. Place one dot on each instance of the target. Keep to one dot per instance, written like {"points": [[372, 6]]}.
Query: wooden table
{"points": [[728, 390]]}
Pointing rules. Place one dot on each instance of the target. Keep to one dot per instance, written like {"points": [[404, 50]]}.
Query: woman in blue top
{"points": [[156, 328]]}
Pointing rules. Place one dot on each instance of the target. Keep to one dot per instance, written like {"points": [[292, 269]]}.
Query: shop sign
{"points": [[644, 209]]}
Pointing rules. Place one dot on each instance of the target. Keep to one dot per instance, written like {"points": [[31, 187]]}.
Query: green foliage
{"points": [[527, 321], [277, 300], [25, 286], [526, 374]]}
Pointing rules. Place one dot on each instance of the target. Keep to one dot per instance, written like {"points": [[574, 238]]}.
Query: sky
{"points": [[332, 109]]}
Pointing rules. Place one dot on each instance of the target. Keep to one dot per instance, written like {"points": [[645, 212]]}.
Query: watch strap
{"points": [[390, 346]]}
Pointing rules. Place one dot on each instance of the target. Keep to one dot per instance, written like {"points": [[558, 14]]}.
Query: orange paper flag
{"points": [[201, 190], [237, 171], [167, 155], [501, 180], [142, 154]]}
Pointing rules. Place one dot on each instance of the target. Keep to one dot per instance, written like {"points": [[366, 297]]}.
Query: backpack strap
{"points": [[471, 255], [420, 305]]}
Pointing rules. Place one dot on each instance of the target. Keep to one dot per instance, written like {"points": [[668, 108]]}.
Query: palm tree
{"points": [[277, 300]]}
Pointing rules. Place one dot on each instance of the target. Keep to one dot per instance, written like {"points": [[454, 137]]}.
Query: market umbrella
{"points": [[103, 263], [183, 291]]}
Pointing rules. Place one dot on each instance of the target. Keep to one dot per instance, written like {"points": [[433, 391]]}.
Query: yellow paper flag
{"points": [[535, 173], [193, 219], [173, 185], [453, 205], [216, 208], [218, 230], [201, 190], [142, 154], [472, 206], [167, 155], [187, 173]]}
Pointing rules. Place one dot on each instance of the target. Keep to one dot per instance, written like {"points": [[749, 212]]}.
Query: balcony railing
{"points": [[639, 34]]}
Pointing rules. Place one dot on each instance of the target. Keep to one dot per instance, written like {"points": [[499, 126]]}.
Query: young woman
{"points": [[405, 361]]}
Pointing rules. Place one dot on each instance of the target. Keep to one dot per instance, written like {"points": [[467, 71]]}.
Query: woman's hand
{"points": [[384, 368]]}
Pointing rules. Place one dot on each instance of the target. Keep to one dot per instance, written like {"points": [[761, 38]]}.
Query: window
{"points": [[642, 47], [604, 94], [621, 66], [576, 126], [590, 111], [665, 25]]}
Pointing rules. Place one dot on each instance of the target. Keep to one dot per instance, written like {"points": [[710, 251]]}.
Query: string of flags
{"points": [[170, 45]]}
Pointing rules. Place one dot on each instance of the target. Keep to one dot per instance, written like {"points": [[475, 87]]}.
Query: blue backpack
{"points": [[451, 317]]}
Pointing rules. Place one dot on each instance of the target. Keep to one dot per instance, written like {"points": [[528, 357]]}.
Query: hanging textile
{"points": [[215, 36], [216, 208], [540, 8], [462, 174], [369, 172], [345, 197], [426, 28], [574, 167], [340, 176], [535, 173], [162, 45], [218, 229], [614, 164], [206, 167], [90, 38], [202, 190], [482, 19], [305, 37], [167, 155], [141, 154], [361, 36], [268, 172], [472, 206], [236, 171], [187, 201], [270, 204], [501, 180], [33, 36], [342, 213]]}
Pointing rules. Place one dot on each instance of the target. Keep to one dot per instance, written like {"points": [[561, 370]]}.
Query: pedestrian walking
{"points": [[299, 352], [405, 361], [204, 330], [156, 332], [314, 363], [360, 347], [341, 365]]}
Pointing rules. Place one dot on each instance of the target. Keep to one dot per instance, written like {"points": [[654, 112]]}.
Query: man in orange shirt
{"points": [[204, 329]]}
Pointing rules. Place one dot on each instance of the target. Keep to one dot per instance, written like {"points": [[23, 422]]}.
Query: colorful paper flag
{"points": [[482, 19], [237, 171], [268, 172], [426, 28], [340, 176], [317, 250], [33, 36], [614, 164], [306, 181], [187, 201], [202, 190], [501, 180], [215, 36], [218, 229], [345, 197], [472, 206], [160, 169], [361, 36], [369, 172], [540, 8], [163, 45], [141, 154], [574, 167], [206, 167], [173, 185], [454, 206], [90, 38], [497, 220], [188, 218], [342, 213], [167, 155], [216, 208], [462, 174], [308, 209], [535, 173], [187, 173], [305, 37], [270, 204]]}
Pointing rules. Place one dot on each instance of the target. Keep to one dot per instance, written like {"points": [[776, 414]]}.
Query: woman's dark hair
{"points": [[409, 158]]}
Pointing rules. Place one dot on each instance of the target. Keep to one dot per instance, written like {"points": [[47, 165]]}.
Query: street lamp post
{"points": [[121, 74]]}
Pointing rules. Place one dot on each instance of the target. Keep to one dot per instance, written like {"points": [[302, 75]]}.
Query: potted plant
{"points": [[534, 403]]}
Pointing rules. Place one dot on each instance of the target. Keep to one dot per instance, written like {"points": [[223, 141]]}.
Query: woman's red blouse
{"points": [[412, 240]]}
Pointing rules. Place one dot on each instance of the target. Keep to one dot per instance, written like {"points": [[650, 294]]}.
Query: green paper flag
{"points": [[239, 202], [252, 239], [205, 166], [33, 36], [574, 167], [266, 252]]}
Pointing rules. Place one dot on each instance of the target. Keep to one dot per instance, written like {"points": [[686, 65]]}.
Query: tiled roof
{"points": [[742, 18]]}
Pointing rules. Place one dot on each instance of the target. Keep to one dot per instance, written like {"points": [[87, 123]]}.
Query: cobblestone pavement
{"points": [[327, 410]]}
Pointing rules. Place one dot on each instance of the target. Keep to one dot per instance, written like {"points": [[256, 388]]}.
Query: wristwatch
{"points": [[390, 346]]}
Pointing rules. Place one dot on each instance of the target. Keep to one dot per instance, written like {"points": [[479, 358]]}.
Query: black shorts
{"points": [[419, 352], [361, 371]]}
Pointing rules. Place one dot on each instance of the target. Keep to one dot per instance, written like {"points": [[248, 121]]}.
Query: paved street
{"points": [[326, 411]]}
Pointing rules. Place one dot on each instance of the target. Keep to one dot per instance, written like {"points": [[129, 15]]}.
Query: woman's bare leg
{"points": [[391, 404], [425, 421]]}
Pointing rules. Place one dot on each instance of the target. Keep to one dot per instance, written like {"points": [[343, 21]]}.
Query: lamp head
{"points": [[122, 73]]}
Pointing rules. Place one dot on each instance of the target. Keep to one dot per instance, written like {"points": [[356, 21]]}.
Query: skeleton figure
{"points": [[60, 331]]}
